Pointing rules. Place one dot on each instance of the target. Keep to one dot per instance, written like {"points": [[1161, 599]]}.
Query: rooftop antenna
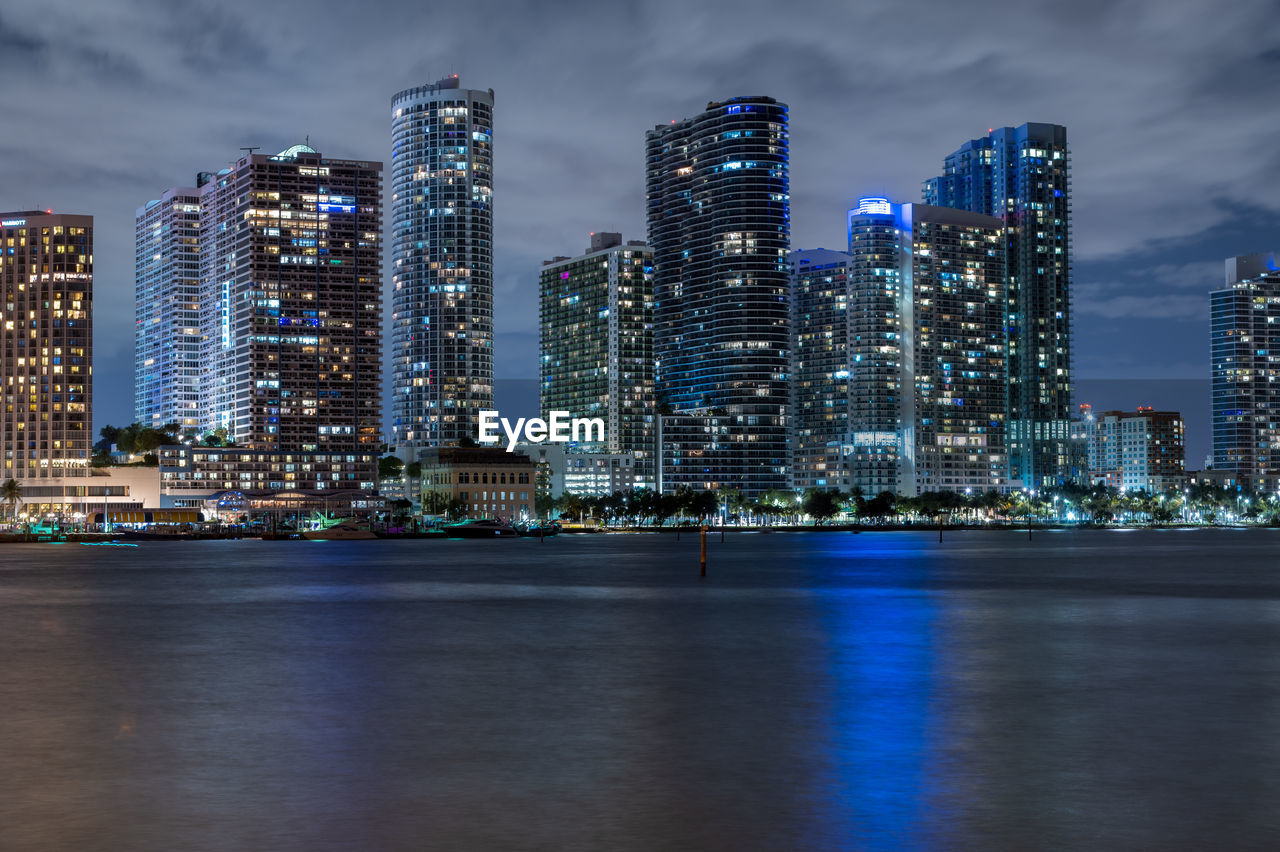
{"points": [[250, 149]]}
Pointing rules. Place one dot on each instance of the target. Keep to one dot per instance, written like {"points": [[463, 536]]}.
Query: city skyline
{"points": [[1152, 222]]}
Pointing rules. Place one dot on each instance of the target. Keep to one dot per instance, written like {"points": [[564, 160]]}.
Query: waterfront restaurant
{"points": [[229, 506]]}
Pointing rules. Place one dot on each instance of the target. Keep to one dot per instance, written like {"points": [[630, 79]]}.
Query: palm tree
{"points": [[11, 494]]}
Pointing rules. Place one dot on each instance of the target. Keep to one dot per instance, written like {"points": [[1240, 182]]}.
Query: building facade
{"points": [[925, 350], [291, 298], [167, 331], [1142, 450], [46, 362], [596, 343], [718, 211], [819, 362], [190, 476], [1021, 175], [488, 482], [442, 262], [1245, 348]]}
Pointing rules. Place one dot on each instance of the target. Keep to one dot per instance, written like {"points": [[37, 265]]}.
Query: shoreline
{"points": [[712, 532]]}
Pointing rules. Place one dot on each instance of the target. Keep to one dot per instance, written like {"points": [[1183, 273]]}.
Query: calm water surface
{"points": [[1086, 690]]}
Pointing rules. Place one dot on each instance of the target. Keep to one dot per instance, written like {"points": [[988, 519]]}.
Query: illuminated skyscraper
{"points": [[46, 279], [1245, 347], [925, 350], [597, 343], [167, 310], [820, 362], [291, 296], [1021, 175], [442, 256], [719, 225]]}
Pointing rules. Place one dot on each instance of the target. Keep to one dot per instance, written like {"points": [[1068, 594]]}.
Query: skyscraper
{"points": [[925, 364], [291, 268], [597, 342], [46, 363], [819, 362], [1021, 176], [167, 310], [1245, 347], [718, 208], [442, 255]]}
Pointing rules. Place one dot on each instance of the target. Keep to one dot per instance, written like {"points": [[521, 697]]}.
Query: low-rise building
{"points": [[1141, 450], [488, 481], [190, 475], [602, 474]]}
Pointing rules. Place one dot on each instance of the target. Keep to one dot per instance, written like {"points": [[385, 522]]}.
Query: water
{"points": [[1084, 690]]}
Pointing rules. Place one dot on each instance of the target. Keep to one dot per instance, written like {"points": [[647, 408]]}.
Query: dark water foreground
{"points": [[1086, 690]]}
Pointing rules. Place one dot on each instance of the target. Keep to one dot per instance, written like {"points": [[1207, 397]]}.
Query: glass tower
{"points": [[820, 361], [1021, 176], [291, 297], [597, 342], [167, 310], [718, 209], [442, 256], [925, 366], [1245, 347]]}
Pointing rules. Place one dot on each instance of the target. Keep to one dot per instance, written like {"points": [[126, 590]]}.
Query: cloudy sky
{"points": [[1172, 109]]}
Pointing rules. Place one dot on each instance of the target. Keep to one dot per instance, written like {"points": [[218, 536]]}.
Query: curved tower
{"points": [[719, 226], [442, 253]]}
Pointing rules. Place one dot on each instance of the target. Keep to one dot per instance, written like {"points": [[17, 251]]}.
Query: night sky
{"points": [[1171, 109]]}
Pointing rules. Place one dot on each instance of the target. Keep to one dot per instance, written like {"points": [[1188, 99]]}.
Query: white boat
{"points": [[341, 531]]}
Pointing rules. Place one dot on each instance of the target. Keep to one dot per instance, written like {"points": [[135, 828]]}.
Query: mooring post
{"points": [[704, 550], [939, 527]]}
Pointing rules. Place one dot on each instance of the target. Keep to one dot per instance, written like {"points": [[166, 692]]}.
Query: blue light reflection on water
{"points": [[879, 715]]}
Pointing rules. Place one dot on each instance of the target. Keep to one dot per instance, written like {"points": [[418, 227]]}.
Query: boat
{"points": [[341, 531], [538, 529], [487, 528]]}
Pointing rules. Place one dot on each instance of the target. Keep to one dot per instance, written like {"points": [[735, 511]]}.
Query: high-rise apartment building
{"points": [[597, 342], [46, 363], [1021, 175], [442, 262], [167, 337], [819, 362], [1245, 348], [718, 209], [925, 350], [291, 296]]}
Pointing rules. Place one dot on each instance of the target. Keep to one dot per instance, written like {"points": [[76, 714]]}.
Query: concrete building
{"points": [[442, 262], [46, 361], [167, 330], [190, 476], [819, 362], [1021, 175], [490, 482], [596, 344], [1142, 450], [291, 296], [602, 474], [925, 350], [1245, 348], [718, 211]]}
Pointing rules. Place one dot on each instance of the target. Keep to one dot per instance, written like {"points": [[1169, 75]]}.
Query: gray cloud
{"points": [[1169, 105]]}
